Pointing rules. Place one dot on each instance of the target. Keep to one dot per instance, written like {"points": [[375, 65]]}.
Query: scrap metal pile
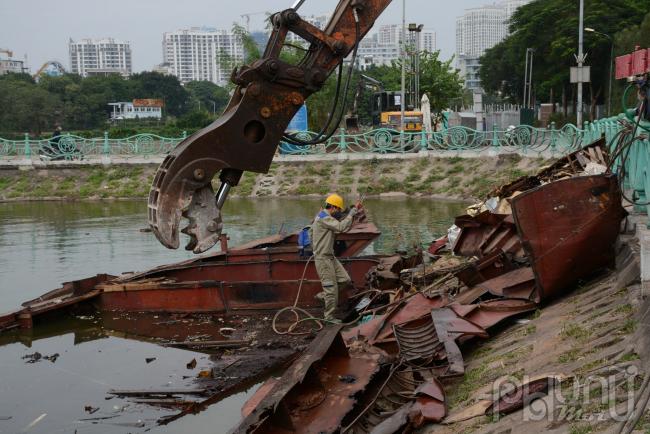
{"points": [[531, 240]]}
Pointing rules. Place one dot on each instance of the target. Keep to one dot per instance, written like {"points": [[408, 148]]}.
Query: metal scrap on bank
{"points": [[387, 369]]}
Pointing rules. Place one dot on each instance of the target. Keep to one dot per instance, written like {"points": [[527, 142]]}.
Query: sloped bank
{"points": [[453, 178]]}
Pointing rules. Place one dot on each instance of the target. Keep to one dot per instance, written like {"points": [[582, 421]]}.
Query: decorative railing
{"points": [[71, 147], [522, 139], [384, 141]]}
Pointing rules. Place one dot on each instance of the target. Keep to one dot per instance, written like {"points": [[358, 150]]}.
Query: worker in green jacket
{"points": [[322, 235]]}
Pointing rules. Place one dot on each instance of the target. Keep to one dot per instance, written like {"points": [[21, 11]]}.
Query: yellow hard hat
{"points": [[335, 200]]}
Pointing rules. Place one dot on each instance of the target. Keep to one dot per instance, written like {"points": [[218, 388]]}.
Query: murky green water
{"points": [[44, 244]]}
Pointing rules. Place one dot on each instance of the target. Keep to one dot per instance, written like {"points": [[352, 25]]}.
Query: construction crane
{"points": [[247, 17]]}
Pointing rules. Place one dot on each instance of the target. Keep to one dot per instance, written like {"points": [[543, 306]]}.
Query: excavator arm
{"points": [[268, 94]]}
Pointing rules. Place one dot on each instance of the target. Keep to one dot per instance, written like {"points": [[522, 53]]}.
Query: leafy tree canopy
{"points": [[550, 27]]}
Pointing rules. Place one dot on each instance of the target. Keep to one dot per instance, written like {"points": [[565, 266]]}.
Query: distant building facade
{"points": [[383, 47], [105, 56], [8, 64], [477, 30], [146, 108], [202, 53]]}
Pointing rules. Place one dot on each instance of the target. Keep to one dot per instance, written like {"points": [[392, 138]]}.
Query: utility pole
{"points": [[402, 106], [580, 62]]}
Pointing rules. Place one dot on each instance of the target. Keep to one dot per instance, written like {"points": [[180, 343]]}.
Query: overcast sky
{"points": [[40, 29]]}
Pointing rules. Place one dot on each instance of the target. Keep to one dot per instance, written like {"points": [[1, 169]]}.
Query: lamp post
{"points": [[403, 56], [414, 31], [611, 66], [580, 59]]}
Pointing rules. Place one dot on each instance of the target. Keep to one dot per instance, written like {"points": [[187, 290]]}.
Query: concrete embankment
{"points": [[425, 176]]}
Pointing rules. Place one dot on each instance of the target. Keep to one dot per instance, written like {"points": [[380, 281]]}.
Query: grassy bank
{"points": [[454, 178]]}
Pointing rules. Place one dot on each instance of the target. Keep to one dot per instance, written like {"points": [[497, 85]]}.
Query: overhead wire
{"points": [[320, 138]]}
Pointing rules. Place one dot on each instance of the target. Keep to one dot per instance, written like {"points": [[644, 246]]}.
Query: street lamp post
{"points": [[403, 56], [611, 66], [415, 30], [581, 60]]}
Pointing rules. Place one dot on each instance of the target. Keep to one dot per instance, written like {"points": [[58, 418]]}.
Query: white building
{"points": [[202, 53], [8, 64], [477, 30], [383, 47], [137, 109], [100, 57]]}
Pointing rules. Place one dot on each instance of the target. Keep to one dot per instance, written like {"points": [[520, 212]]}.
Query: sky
{"points": [[41, 29]]}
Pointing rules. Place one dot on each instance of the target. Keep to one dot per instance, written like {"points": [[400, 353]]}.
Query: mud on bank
{"points": [[453, 178]]}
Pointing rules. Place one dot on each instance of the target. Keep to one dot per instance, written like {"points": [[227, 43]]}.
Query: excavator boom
{"points": [[268, 94]]}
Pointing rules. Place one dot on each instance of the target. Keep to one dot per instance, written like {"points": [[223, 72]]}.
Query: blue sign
{"points": [[298, 123]]}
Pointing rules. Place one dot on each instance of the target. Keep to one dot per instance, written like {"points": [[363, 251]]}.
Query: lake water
{"points": [[43, 244]]}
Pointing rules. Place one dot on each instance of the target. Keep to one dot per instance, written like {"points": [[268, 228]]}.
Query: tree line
{"points": [[78, 103], [81, 104], [550, 28]]}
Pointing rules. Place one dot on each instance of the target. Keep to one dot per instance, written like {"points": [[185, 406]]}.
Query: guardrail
{"points": [[523, 139], [71, 147]]}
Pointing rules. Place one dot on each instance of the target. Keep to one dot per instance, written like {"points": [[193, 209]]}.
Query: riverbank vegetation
{"points": [[453, 178]]}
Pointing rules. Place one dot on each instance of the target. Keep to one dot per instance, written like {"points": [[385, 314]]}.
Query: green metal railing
{"points": [[71, 147], [636, 158], [523, 139]]}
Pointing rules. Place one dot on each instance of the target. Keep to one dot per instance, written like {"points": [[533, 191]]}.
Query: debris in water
{"points": [[90, 409], [52, 358], [149, 359], [191, 365], [33, 358]]}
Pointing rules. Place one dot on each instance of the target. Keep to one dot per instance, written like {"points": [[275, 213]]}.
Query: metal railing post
{"points": [[106, 149], [342, 144], [28, 149]]}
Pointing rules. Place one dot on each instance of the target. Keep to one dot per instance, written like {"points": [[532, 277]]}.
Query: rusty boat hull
{"points": [[261, 275]]}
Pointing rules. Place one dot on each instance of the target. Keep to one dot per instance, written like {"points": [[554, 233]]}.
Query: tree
{"points": [[550, 27], [25, 106], [165, 87], [209, 95], [439, 80]]}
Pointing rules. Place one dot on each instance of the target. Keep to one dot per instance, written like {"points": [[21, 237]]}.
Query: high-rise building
{"points": [[477, 30], [383, 47], [100, 57], [202, 53]]}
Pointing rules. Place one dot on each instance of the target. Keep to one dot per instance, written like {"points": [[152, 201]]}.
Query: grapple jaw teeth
{"points": [[182, 196], [205, 223]]}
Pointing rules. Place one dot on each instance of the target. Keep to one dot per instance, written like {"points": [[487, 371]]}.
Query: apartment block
{"points": [[202, 53], [100, 57]]}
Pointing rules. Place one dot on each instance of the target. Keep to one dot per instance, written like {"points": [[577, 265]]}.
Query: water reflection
{"points": [[45, 243]]}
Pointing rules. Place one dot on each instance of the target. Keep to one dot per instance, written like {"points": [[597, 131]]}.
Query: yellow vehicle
{"points": [[412, 121]]}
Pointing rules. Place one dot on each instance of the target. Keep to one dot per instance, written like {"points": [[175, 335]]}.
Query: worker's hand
{"points": [[358, 205]]}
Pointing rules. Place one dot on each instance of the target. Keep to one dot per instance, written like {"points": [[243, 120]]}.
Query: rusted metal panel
{"points": [[230, 286], [568, 228], [491, 312], [509, 282], [316, 393], [273, 247]]}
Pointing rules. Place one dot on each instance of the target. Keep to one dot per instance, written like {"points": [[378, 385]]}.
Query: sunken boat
{"points": [[259, 276]]}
